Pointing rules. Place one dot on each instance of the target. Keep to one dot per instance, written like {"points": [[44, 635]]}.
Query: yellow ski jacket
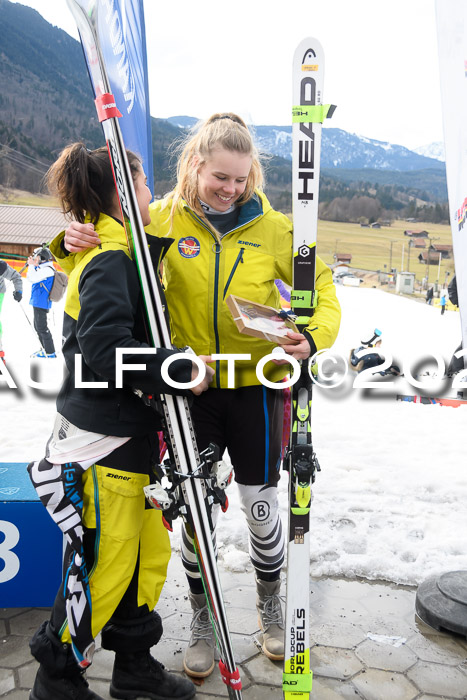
{"points": [[200, 273]]}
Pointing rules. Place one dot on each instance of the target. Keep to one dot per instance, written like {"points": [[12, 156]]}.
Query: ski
{"points": [[436, 401], [308, 113], [179, 434]]}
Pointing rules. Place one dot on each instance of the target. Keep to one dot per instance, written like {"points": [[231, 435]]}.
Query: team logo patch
{"points": [[188, 247]]}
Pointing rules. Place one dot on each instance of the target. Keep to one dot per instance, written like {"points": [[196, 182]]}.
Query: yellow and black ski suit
{"points": [[199, 273], [126, 548]]}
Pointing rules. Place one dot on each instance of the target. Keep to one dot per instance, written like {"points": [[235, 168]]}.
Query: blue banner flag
{"points": [[123, 41]]}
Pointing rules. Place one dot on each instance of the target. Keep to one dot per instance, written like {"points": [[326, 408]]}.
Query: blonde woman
{"points": [[227, 239]]}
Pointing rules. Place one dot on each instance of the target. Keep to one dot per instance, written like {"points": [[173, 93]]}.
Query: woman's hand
{"points": [[204, 385], [79, 237], [299, 349]]}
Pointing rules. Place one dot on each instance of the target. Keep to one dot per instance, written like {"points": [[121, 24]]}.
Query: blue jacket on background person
{"points": [[41, 274], [41, 277]]}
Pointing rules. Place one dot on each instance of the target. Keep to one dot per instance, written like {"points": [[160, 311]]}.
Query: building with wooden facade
{"points": [[24, 228]]}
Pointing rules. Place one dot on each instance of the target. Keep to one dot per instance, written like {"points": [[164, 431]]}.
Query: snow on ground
{"points": [[391, 499]]}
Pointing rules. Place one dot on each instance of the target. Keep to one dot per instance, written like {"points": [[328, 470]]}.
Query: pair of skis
{"points": [[308, 114]]}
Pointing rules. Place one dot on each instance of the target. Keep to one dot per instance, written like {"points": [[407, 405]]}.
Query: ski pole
{"points": [[376, 334], [28, 320]]}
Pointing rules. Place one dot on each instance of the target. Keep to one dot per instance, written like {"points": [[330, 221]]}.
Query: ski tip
{"points": [[309, 54]]}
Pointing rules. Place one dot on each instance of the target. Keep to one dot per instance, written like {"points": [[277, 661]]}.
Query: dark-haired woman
{"points": [[100, 456]]}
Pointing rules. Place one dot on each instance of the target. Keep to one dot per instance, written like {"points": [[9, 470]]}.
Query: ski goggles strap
{"points": [[312, 113]]}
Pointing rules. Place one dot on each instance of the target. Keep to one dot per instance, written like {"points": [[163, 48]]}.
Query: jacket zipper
{"points": [[201, 222], [238, 260], [216, 280], [216, 328]]}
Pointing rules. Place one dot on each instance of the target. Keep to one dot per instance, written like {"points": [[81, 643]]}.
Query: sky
{"points": [[381, 61]]}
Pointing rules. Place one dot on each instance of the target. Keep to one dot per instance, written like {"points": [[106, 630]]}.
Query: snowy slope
{"points": [[391, 500]]}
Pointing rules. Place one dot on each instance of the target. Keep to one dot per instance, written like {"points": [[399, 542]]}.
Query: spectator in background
{"points": [[9, 274], [443, 302], [429, 295], [41, 275]]}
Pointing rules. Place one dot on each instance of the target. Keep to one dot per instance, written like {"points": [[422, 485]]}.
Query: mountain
{"points": [[183, 122], [46, 102], [46, 99], [341, 149], [432, 150], [360, 163]]}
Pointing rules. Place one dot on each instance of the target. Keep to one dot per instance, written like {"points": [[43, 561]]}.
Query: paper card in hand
{"points": [[260, 321]]}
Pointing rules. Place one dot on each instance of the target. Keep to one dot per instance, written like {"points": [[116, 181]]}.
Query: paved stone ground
{"points": [[353, 655]]}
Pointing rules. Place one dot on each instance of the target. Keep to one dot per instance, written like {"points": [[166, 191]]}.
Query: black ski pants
{"points": [[42, 329]]}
